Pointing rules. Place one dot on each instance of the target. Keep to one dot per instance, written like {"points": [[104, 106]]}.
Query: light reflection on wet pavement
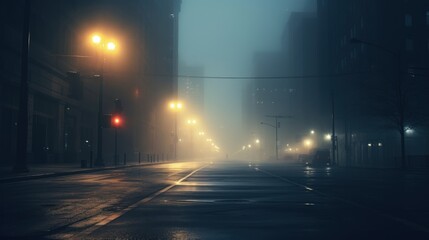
{"points": [[223, 200], [234, 201], [61, 207]]}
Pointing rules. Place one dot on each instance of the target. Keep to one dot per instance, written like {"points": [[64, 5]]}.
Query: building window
{"points": [[408, 20], [409, 45]]}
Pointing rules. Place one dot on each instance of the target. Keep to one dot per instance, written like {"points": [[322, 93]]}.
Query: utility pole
{"points": [[276, 126]]}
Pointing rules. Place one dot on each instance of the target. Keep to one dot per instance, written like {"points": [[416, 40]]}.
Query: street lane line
{"points": [[114, 216], [400, 220]]}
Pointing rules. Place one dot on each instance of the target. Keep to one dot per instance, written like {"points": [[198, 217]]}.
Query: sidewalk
{"points": [[37, 171]]}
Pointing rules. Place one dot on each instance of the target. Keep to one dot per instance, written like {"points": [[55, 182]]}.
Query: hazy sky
{"points": [[222, 36]]}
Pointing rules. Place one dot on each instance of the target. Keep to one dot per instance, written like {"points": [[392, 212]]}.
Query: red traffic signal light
{"points": [[116, 121]]}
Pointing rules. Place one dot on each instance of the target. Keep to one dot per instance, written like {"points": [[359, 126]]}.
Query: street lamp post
{"points": [[175, 106], [399, 91], [191, 123], [276, 126], [258, 145], [103, 46]]}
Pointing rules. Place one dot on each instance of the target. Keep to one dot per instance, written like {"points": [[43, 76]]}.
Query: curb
{"points": [[60, 174]]}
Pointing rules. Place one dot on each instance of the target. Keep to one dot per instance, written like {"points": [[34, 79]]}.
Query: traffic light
{"points": [[116, 121], [118, 106], [113, 121]]}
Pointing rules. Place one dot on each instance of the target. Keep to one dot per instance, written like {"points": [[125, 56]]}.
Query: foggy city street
{"points": [[214, 119]]}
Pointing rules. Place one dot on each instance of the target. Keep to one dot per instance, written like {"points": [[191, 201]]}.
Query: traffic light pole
{"points": [[116, 122], [116, 146]]}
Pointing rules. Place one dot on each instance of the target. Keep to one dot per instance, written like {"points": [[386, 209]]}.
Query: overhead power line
{"points": [[263, 77]]}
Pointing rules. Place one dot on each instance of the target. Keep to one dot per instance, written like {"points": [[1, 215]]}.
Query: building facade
{"points": [[63, 92], [376, 55]]}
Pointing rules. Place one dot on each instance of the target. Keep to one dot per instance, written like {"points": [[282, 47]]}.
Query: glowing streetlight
{"points": [[111, 46], [176, 105], [103, 47], [192, 121], [409, 130], [308, 142], [327, 137], [312, 132], [96, 39]]}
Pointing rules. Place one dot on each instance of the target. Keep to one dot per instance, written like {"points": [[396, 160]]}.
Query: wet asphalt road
{"points": [[222, 200]]}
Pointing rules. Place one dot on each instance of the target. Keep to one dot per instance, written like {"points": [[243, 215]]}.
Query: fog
{"points": [[214, 119], [289, 77], [223, 37]]}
